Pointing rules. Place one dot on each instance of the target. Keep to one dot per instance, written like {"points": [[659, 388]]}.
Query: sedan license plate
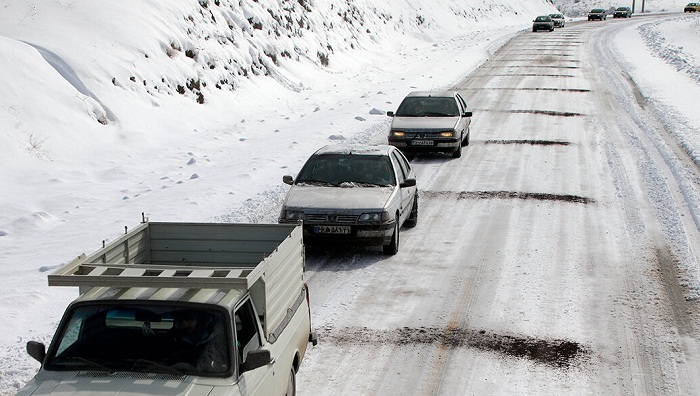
{"points": [[332, 229], [422, 143]]}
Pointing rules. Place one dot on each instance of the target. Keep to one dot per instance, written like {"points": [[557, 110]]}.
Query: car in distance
{"points": [[597, 13], [558, 19], [543, 22], [622, 12], [357, 194], [431, 121], [692, 7]]}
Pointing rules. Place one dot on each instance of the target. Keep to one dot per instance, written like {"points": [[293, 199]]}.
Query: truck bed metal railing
{"points": [[182, 255], [149, 275]]}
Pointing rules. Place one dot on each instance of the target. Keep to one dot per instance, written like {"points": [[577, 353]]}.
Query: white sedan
{"points": [[361, 194]]}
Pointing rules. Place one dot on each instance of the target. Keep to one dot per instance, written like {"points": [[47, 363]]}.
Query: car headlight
{"points": [[398, 134], [447, 134], [293, 215], [374, 217]]}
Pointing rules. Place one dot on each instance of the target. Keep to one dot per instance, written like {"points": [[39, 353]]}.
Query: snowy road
{"points": [[545, 259]]}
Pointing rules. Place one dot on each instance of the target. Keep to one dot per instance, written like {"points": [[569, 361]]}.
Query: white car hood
{"points": [[408, 123], [115, 386], [308, 196]]}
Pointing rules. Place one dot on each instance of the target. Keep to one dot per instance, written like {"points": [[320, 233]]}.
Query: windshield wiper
{"points": [[94, 364], [435, 114], [153, 364], [316, 182]]}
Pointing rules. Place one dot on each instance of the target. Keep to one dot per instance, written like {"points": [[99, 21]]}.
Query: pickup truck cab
{"points": [[181, 309]]}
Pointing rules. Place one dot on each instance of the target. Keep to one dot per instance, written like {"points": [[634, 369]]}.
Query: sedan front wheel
{"points": [[393, 247], [413, 216]]}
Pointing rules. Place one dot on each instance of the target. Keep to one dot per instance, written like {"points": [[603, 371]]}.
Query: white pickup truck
{"points": [[182, 309]]}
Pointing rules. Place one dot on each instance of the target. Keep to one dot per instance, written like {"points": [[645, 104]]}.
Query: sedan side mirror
{"points": [[287, 179], [467, 113], [37, 350], [408, 183], [390, 113]]}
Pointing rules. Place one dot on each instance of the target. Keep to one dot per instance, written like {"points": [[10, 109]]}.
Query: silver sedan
{"points": [[431, 121], [361, 194]]}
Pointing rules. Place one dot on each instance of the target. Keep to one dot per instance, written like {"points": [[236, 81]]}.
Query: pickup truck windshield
{"points": [[142, 338]]}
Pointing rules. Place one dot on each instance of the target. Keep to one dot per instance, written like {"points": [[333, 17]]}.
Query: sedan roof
{"points": [[349, 149], [439, 94]]}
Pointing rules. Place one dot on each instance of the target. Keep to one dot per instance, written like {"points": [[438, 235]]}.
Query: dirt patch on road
{"points": [[534, 75], [557, 353], [505, 195], [547, 112], [543, 112], [532, 89], [529, 141]]}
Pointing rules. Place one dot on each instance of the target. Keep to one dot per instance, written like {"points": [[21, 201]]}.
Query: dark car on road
{"points": [[431, 121], [622, 12], [597, 13], [692, 7], [543, 22]]}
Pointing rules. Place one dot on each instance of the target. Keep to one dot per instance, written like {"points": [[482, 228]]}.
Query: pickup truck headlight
{"points": [[447, 134], [293, 215], [374, 217], [398, 134]]}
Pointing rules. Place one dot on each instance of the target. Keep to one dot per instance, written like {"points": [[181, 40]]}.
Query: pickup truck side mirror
{"points": [[467, 113], [37, 350], [255, 359], [287, 179], [390, 113], [408, 183]]}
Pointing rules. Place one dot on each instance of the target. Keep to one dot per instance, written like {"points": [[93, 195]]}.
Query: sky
{"points": [[194, 110]]}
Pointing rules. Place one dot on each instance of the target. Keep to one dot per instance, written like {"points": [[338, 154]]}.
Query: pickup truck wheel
{"points": [[292, 384], [393, 247]]}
